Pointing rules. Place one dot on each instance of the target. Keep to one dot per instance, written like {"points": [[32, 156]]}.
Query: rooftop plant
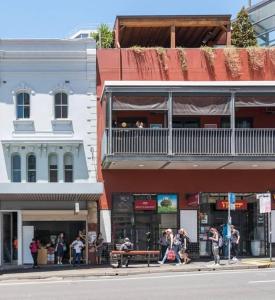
{"points": [[243, 34], [104, 37]]}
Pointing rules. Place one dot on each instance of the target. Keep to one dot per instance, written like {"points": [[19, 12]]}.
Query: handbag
{"points": [[171, 255]]}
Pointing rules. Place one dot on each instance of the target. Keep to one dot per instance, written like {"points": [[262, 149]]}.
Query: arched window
{"points": [[68, 167], [31, 168], [61, 106], [23, 105], [16, 168], [53, 168]]}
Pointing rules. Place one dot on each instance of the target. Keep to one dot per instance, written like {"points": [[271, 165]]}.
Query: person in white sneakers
{"points": [[77, 246], [214, 238], [235, 240]]}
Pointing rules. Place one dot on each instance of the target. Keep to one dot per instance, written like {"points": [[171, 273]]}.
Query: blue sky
{"points": [[59, 18]]}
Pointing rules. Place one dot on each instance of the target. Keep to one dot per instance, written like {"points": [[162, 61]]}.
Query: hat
{"points": [[126, 240]]}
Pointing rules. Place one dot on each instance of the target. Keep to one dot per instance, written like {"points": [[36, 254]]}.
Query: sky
{"points": [[61, 18]]}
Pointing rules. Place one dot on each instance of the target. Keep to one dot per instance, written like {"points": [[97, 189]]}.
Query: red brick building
{"points": [[207, 127]]}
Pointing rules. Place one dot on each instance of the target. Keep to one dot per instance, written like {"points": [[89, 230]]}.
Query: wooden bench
{"points": [[149, 254]]}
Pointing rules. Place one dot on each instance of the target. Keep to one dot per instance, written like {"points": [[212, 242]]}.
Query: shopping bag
{"points": [[171, 256]]}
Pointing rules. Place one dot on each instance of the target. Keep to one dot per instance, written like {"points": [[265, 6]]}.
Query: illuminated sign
{"points": [[239, 205]]}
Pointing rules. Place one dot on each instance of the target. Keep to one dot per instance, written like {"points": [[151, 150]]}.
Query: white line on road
{"points": [[112, 278], [261, 281]]}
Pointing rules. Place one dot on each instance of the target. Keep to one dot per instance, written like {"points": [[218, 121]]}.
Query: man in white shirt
{"points": [[77, 246]]}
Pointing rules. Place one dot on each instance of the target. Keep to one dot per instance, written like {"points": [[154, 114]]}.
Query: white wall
{"points": [[189, 221], [42, 67]]}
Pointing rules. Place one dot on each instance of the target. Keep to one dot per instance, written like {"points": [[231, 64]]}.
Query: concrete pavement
{"points": [[134, 269]]}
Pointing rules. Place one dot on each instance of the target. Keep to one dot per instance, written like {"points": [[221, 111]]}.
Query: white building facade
{"points": [[48, 177]]}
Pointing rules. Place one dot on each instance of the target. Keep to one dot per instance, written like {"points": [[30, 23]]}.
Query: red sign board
{"points": [[145, 204], [239, 205], [193, 199]]}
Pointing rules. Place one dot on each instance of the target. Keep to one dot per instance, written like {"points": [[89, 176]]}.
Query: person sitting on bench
{"points": [[126, 246]]}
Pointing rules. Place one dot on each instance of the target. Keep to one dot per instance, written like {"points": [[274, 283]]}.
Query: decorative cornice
{"points": [[62, 87]]}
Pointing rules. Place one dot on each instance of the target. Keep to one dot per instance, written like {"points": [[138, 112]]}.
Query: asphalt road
{"points": [[243, 284]]}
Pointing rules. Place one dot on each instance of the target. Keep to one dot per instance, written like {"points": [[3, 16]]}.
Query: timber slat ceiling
{"points": [[48, 197], [154, 31]]}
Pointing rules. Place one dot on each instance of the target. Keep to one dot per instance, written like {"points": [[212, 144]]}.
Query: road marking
{"points": [[113, 279], [261, 281]]}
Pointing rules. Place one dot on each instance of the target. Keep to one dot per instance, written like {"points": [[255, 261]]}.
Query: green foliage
{"points": [[243, 34], [104, 37]]}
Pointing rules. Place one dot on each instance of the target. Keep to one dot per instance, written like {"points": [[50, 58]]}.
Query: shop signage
{"points": [[192, 199], [145, 204], [167, 203], [239, 205], [265, 202]]}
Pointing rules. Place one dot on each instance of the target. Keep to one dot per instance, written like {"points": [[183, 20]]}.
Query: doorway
{"points": [[9, 234]]}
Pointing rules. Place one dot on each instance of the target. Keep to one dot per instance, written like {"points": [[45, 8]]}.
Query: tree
{"points": [[243, 34], [103, 36]]}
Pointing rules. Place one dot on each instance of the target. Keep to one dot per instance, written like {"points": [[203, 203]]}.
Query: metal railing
{"points": [[139, 141], [201, 141], [189, 141], [251, 141]]}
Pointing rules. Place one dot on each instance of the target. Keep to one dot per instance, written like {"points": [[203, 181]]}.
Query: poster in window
{"points": [[167, 203]]}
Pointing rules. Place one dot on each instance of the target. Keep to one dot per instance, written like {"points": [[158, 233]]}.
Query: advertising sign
{"points": [[265, 202], [167, 203], [145, 204], [192, 200], [239, 205]]}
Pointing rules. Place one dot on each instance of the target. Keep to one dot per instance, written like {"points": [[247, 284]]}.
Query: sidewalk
{"points": [[26, 273]]}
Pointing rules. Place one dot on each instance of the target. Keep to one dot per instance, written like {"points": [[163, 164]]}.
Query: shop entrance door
{"points": [[9, 237], [145, 223]]}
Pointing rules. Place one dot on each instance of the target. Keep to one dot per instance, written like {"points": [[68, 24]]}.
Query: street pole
{"points": [[270, 237], [229, 228]]}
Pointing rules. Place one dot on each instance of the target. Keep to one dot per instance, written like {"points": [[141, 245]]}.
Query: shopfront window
{"points": [[246, 218], [135, 215]]}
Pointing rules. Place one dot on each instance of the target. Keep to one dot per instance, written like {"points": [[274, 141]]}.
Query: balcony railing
{"points": [[187, 141]]}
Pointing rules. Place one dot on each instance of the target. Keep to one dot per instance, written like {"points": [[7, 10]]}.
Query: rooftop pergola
{"points": [[172, 31]]}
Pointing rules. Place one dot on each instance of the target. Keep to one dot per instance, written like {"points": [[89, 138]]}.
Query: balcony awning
{"points": [[139, 102], [201, 105], [255, 100]]}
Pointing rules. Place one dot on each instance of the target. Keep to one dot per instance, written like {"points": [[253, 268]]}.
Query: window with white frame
{"points": [[16, 168], [61, 106], [23, 105], [31, 168], [53, 168], [68, 167]]}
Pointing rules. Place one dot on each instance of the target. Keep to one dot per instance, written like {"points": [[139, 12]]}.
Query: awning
{"points": [[135, 102], [255, 100], [51, 191], [201, 105]]}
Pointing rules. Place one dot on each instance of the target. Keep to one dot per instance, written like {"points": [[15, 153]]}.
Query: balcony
{"points": [[189, 125], [192, 142]]}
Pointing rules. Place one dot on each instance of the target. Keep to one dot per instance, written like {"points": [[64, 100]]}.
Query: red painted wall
{"points": [[125, 64]]}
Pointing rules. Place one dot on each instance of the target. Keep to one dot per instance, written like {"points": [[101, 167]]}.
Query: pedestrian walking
{"points": [[60, 248], [163, 244], [235, 240], [215, 244], [34, 246], [172, 248], [185, 241], [77, 246]]}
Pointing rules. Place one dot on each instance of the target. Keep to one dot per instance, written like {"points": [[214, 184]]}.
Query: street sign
{"points": [[265, 202], [232, 200]]}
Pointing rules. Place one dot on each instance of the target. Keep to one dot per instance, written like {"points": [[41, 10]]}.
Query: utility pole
{"points": [[249, 3]]}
